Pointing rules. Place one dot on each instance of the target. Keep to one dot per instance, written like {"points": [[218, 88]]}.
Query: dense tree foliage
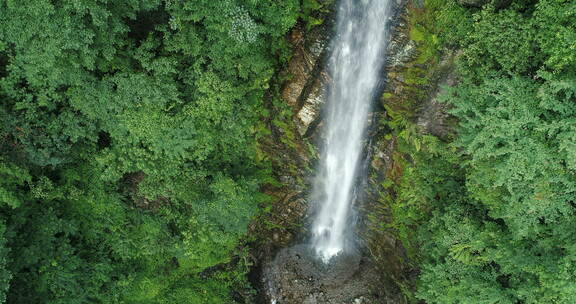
{"points": [[130, 166], [494, 209], [127, 145]]}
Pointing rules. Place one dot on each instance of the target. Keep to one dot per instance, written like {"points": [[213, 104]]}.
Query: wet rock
{"points": [[433, 117], [382, 151], [299, 68], [296, 276], [360, 300], [311, 107], [305, 91], [401, 49]]}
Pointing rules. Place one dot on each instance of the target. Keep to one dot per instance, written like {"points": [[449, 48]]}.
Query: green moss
{"points": [[314, 12], [413, 82], [387, 95], [417, 33]]}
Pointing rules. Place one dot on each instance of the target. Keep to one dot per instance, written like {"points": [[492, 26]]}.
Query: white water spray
{"points": [[354, 66]]}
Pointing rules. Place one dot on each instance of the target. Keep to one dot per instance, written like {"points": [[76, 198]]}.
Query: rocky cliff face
{"points": [[305, 91], [414, 80], [295, 276], [291, 148], [287, 274]]}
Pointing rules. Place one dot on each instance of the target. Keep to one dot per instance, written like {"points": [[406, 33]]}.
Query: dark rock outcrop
{"points": [[297, 276], [305, 91], [433, 117]]}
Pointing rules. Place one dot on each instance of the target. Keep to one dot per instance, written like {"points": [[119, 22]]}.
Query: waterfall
{"points": [[354, 67]]}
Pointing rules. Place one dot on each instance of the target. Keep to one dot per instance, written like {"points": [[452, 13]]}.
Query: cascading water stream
{"points": [[354, 66]]}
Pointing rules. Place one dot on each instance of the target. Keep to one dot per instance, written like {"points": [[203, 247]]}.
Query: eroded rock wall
{"points": [[382, 269], [291, 146], [305, 92]]}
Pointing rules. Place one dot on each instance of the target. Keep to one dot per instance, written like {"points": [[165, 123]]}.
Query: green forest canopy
{"points": [[494, 209], [127, 145], [128, 151]]}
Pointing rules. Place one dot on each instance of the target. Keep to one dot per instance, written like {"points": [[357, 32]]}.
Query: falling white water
{"points": [[354, 66]]}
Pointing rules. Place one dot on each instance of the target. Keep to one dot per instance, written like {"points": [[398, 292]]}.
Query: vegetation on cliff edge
{"points": [[489, 216], [129, 160]]}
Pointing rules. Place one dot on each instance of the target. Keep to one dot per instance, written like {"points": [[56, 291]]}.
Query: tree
{"points": [[128, 157]]}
